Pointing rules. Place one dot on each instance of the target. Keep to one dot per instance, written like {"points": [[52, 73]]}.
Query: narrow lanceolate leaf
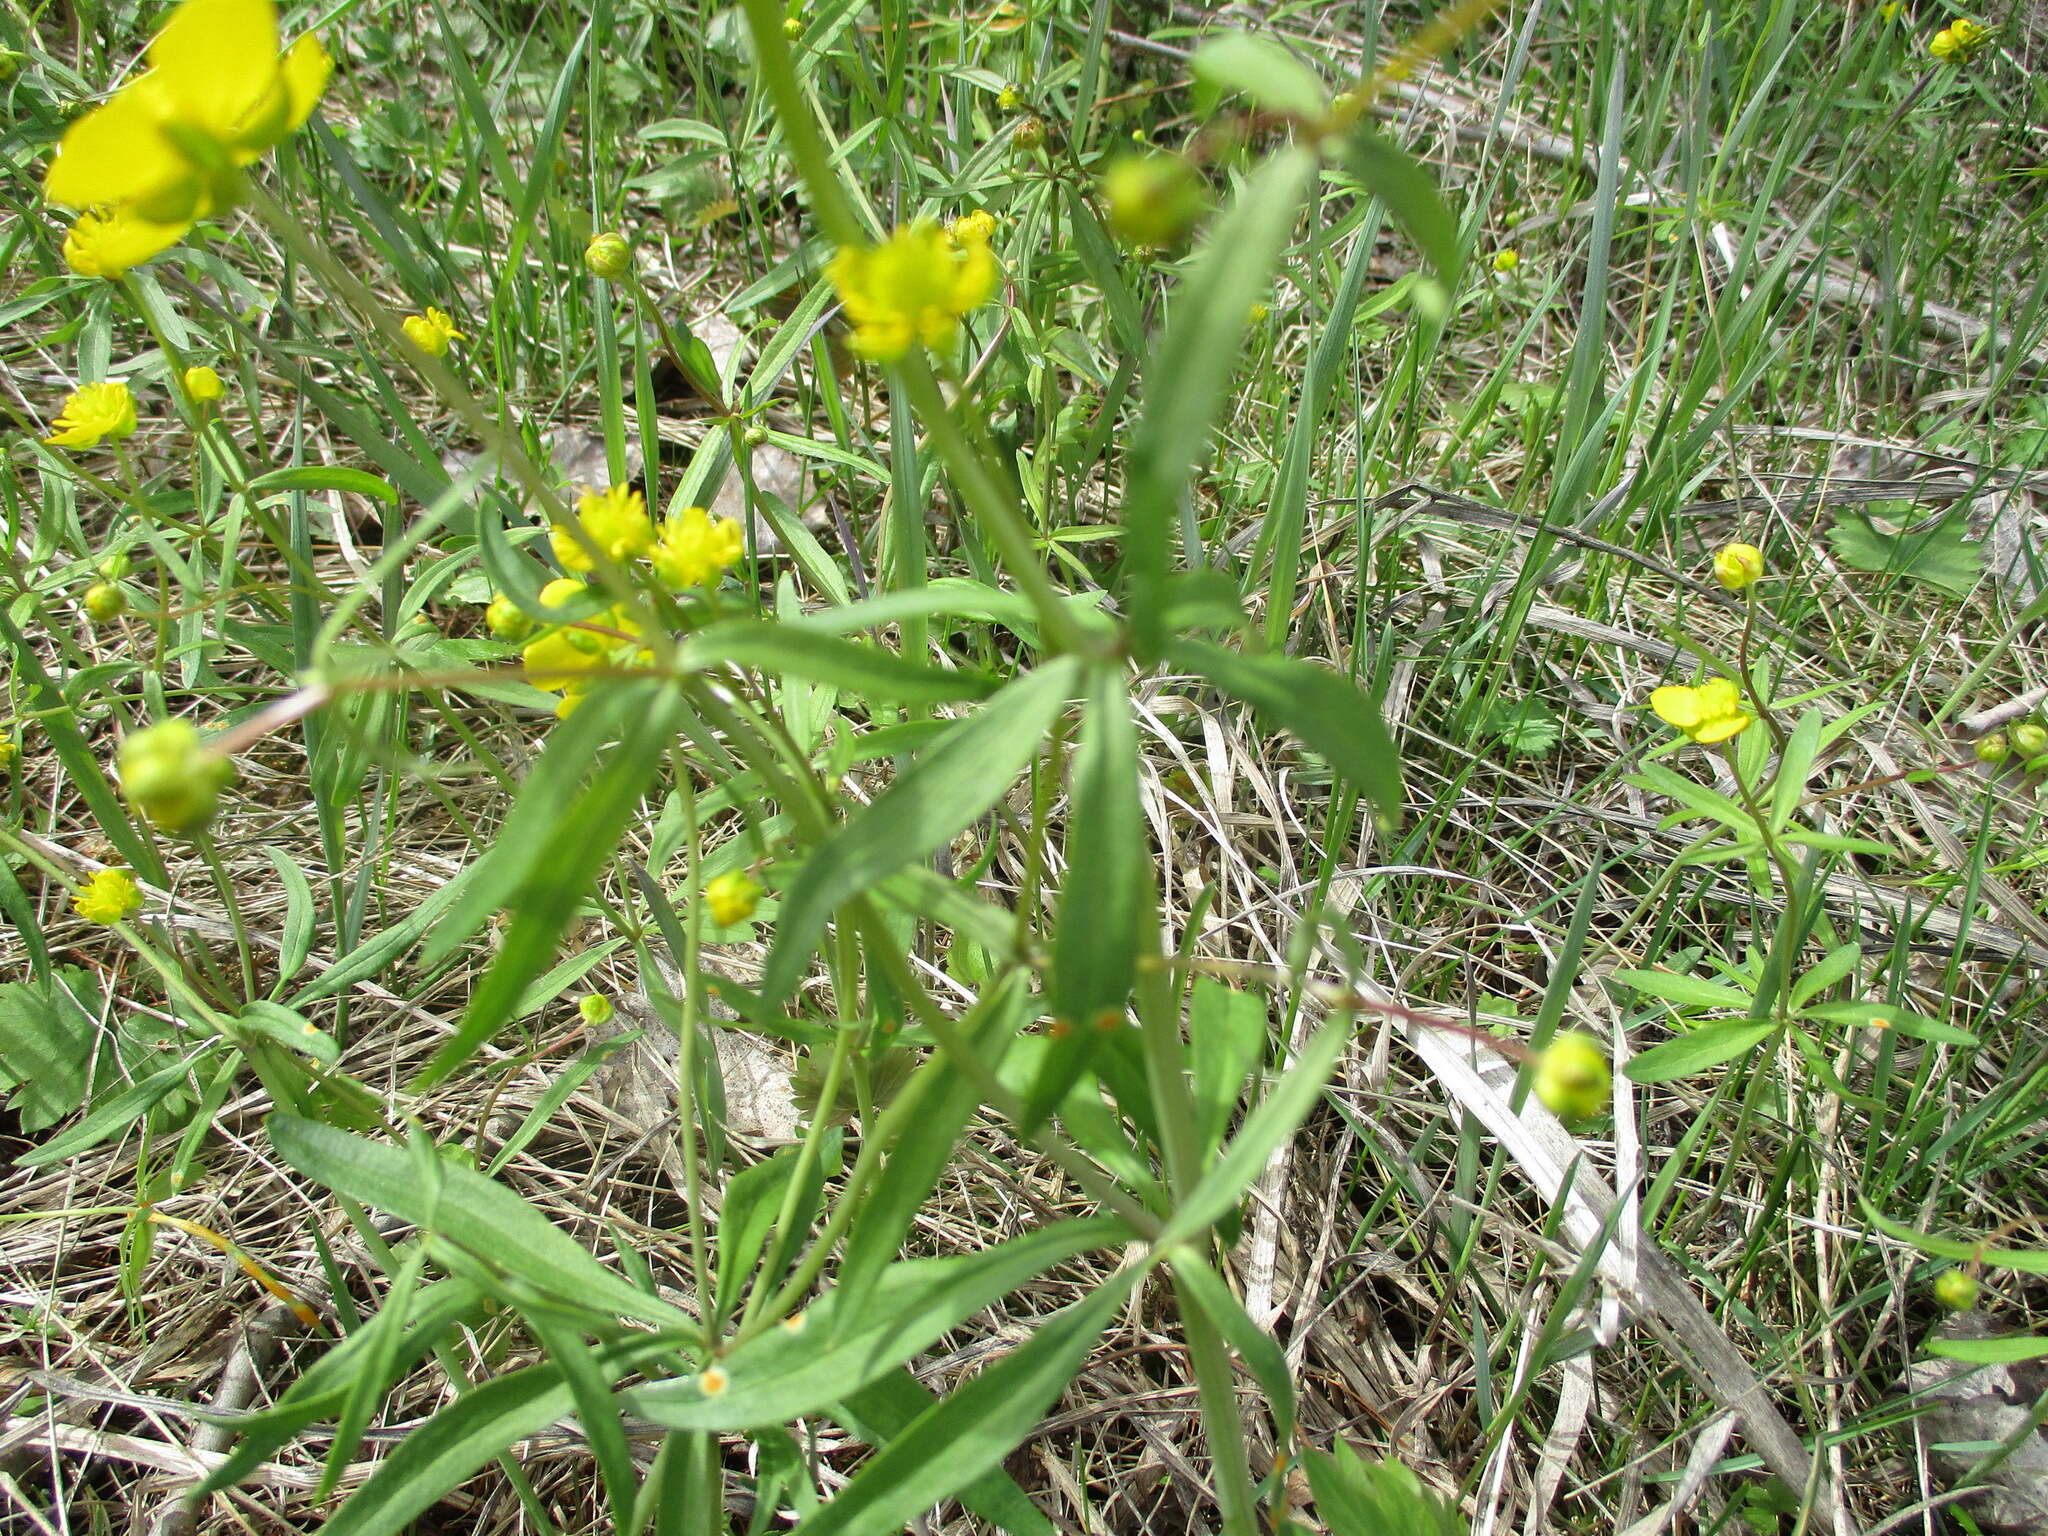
{"points": [[1106, 890], [2026, 1261], [866, 671], [1708, 1046], [1328, 711], [1185, 383], [1391, 174], [966, 1434], [1263, 69], [798, 1367], [586, 830], [955, 780], [884, 1409], [476, 1214]]}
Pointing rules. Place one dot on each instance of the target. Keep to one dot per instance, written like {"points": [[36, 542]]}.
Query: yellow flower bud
{"points": [[1954, 1289], [104, 602], [1506, 259], [1010, 99], [792, 27], [608, 256], [1573, 1077], [203, 386], [595, 1010], [115, 567], [170, 777], [110, 897], [506, 620], [1153, 199], [1737, 566], [731, 898]]}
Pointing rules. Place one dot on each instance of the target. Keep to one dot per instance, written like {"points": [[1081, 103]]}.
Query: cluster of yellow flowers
{"points": [[1957, 41], [93, 412], [692, 549], [168, 148], [916, 285]]}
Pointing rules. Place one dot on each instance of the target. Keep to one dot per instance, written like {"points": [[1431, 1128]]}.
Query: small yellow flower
{"points": [[978, 225], [731, 898], [792, 27], [203, 386], [92, 412], [168, 775], [912, 288], [564, 657], [1709, 713], [432, 332], [1737, 566], [694, 550], [595, 1009], [1889, 11], [615, 521], [1955, 1290], [1010, 99], [1958, 40], [608, 256], [7, 751], [1257, 313], [1506, 259], [1573, 1077], [110, 897], [218, 95], [106, 242]]}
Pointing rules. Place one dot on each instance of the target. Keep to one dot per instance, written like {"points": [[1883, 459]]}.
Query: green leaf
{"points": [[1691, 991], [866, 671], [753, 1200], [1325, 709], [325, 477], [1263, 69], [1226, 1042], [114, 1116], [1936, 555], [884, 1408], [1355, 1497], [297, 940], [293, 1031], [1185, 383], [964, 773], [476, 1214], [1706, 1047], [796, 1368], [1837, 965], [45, 1049], [1899, 1020], [966, 1434], [1260, 1352], [2026, 1261], [1105, 895], [574, 850], [2004, 1351], [1391, 174]]}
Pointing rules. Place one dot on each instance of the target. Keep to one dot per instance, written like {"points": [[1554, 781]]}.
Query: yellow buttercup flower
{"points": [[111, 896], [1709, 713], [94, 411], [694, 550], [218, 94], [912, 288], [731, 898], [563, 658], [106, 242], [1737, 566], [1958, 40], [1506, 259], [615, 521], [978, 225], [431, 332]]}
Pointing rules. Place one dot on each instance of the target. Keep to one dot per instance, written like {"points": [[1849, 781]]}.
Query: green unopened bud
{"points": [[507, 620], [170, 777], [608, 256], [2029, 739], [1029, 134], [1153, 199], [754, 437], [792, 27], [115, 567], [1573, 1077], [1954, 1289], [1993, 749], [595, 1010], [105, 602]]}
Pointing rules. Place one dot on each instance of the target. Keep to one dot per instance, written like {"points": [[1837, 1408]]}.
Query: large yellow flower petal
{"points": [[1719, 696], [1676, 704], [218, 61], [1719, 728], [117, 153], [306, 70]]}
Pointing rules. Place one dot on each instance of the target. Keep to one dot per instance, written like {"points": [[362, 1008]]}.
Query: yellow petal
{"points": [[217, 60], [306, 69], [1676, 704], [1719, 696], [117, 153], [1720, 728], [107, 244]]}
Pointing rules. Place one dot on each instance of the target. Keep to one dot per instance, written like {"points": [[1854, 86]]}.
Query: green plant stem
{"points": [[792, 1195], [834, 209], [1216, 1385], [691, 1004]]}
